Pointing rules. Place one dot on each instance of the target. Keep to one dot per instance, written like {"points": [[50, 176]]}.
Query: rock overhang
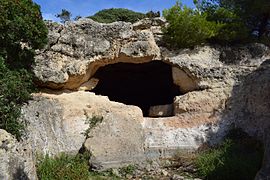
{"points": [[205, 75]]}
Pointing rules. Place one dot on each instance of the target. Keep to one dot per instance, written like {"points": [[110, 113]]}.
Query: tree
{"points": [[187, 27], [233, 29], [20, 23], [254, 16], [152, 14], [65, 16], [22, 30], [117, 14], [15, 88]]}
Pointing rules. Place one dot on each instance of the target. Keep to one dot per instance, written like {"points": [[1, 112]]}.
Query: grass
{"points": [[68, 167], [239, 157], [73, 167]]}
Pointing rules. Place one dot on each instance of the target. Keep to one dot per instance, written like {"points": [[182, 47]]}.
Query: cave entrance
{"points": [[143, 85]]}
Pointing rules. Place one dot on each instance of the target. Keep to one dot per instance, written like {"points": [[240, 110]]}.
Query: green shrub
{"points": [[188, 27], [233, 29], [117, 14], [233, 159], [15, 89], [22, 30], [20, 22], [69, 167], [66, 167]]}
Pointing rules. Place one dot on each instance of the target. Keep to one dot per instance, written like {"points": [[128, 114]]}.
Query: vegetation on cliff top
{"points": [[22, 30], [218, 21], [117, 14], [121, 14]]}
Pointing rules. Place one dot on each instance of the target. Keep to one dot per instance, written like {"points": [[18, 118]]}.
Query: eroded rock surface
{"points": [[220, 87], [77, 50], [63, 123], [14, 164]]}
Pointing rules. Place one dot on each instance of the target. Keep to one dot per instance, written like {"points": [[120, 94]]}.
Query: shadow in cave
{"points": [[143, 85]]}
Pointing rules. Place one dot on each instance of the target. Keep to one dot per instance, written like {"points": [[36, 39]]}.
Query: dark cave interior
{"points": [[143, 85]]}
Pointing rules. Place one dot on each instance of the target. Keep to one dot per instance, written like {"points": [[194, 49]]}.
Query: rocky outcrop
{"points": [[66, 122], [15, 163], [219, 87], [249, 102], [77, 50], [249, 108]]}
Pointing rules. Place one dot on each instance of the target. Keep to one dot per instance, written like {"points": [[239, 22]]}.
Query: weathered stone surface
{"points": [[89, 85], [13, 164], [55, 123], [164, 136], [118, 140], [211, 101], [249, 102], [245, 55], [184, 80], [85, 45], [58, 123], [250, 108], [221, 86], [198, 119], [75, 52]]}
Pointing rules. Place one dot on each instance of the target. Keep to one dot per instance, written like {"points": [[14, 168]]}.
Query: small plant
{"points": [[127, 170], [92, 121]]}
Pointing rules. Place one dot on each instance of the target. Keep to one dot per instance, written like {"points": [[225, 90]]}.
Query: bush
{"points": [[15, 89], [20, 22], [233, 30], [236, 159], [117, 14], [66, 167], [187, 27], [22, 30], [69, 167]]}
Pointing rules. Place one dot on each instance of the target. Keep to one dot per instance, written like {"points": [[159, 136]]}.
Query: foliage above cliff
{"points": [[187, 27], [22, 30], [117, 14], [218, 21], [254, 14], [20, 22]]}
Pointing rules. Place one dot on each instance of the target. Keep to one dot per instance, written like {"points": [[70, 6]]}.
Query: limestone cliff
{"points": [[212, 89]]}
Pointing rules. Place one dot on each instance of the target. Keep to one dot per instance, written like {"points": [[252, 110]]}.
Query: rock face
{"points": [[77, 50], [14, 164], [251, 109], [219, 87], [64, 123], [250, 101]]}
